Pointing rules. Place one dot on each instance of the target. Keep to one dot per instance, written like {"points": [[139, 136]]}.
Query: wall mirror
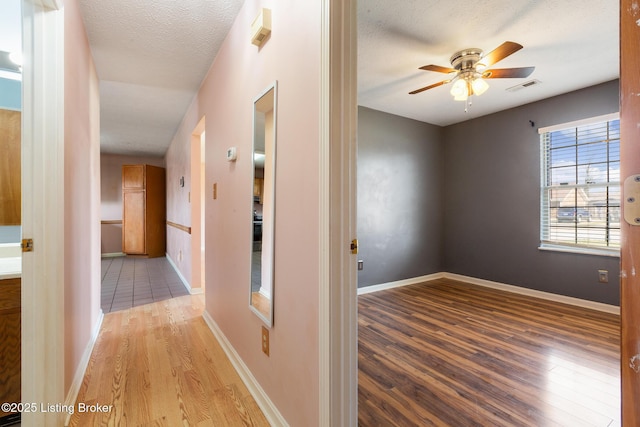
{"points": [[263, 204]]}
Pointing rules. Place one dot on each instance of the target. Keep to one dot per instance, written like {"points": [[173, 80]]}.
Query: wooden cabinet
{"points": [[258, 188], [10, 146], [9, 342], [144, 210]]}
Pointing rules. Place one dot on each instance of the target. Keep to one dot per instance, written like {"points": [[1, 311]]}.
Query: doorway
{"points": [[197, 200]]}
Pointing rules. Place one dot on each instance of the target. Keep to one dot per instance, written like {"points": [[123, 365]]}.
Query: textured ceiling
{"points": [[572, 43], [151, 56]]}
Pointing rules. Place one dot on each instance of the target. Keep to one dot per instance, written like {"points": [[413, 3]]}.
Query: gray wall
{"points": [[399, 197], [492, 199]]}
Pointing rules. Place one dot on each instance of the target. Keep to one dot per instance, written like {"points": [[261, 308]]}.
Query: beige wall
{"points": [[82, 192], [241, 71], [111, 196]]}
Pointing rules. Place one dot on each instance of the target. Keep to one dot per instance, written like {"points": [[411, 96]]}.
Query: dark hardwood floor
{"points": [[446, 353]]}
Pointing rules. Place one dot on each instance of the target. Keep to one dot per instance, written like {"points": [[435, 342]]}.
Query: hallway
{"points": [[129, 282], [159, 364]]}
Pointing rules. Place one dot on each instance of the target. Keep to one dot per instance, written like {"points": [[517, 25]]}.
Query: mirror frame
{"points": [[269, 227]]}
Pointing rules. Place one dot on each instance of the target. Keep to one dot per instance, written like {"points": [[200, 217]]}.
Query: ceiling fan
{"points": [[471, 68]]}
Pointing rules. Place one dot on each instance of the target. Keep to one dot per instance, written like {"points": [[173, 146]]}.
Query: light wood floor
{"points": [[451, 354], [160, 365]]}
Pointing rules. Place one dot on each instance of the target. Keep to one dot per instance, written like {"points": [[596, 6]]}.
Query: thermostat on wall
{"points": [[231, 154]]}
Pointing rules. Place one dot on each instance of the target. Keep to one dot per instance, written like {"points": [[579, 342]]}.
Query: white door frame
{"points": [[43, 210], [337, 265]]}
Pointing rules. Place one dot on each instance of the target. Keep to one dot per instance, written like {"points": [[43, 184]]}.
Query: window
{"points": [[580, 191]]}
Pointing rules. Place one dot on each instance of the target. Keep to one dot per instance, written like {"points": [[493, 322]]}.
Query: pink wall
{"points": [[290, 375], [178, 164], [82, 186], [111, 196]]}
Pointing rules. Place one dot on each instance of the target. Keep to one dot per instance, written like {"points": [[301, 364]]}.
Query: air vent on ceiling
{"points": [[524, 85]]}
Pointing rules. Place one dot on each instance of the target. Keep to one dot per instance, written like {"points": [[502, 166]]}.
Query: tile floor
{"points": [[129, 282]]}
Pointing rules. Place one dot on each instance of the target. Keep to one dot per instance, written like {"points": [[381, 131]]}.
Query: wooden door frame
{"points": [[42, 350], [629, 254]]}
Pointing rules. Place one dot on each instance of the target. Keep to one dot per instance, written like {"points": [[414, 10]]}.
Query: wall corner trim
{"points": [[593, 305], [399, 283], [74, 389], [185, 282], [607, 308], [113, 254], [262, 399]]}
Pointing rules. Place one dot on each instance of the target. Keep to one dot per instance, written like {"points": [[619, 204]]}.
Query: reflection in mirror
{"points": [[263, 204]]}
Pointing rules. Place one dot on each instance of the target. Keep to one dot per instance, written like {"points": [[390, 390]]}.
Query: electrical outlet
{"points": [[603, 276], [265, 340]]}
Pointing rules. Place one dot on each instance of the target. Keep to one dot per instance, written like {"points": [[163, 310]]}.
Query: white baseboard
{"points": [[399, 283], [72, 395], [113, 255], [192, 291], [607, 308], [262, 399]]}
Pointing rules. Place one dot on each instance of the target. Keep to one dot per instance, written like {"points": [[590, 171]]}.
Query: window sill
{"points": [[614, 253]]}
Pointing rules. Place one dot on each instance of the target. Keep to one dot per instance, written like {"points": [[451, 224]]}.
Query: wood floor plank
{"points": [[160, 365], [451, 353]]}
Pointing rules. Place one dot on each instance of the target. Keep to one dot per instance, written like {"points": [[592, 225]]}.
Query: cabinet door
{"points": [[10, 189], [258, 188], [133, 223], [10, 341], [133, 177]]}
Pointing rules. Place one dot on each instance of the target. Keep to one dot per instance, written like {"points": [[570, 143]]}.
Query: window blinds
{"points": [[580, 191]]}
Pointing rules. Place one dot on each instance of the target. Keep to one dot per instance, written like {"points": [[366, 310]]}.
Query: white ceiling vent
{"points": [[524, 85]]}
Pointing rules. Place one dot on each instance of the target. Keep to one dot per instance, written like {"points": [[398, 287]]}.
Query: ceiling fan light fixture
{"points": [[462, 97], [469, 69], [459, 89], [479, 86]]}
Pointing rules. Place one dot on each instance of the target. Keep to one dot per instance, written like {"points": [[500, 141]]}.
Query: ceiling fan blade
{"points": [[499, 53], [438, 69], [429, 87], [506, 73]]}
